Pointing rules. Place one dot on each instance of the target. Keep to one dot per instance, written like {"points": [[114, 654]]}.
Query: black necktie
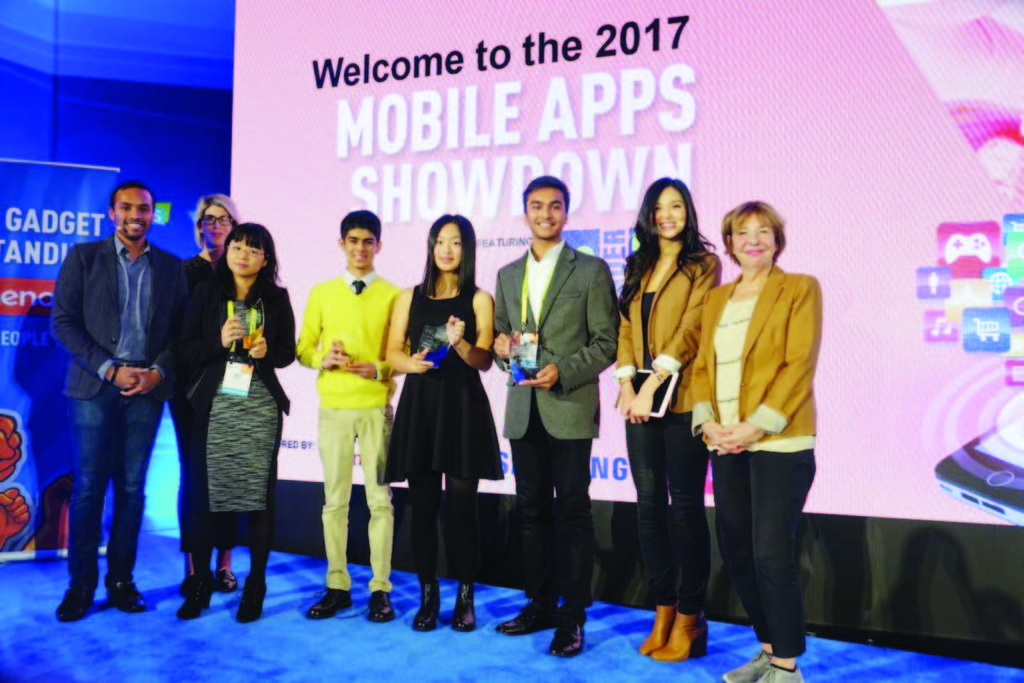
{"points": [[359, 286]]}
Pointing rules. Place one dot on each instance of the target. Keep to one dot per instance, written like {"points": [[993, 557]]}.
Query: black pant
{"points": [[543, 465], [759, 498], [665, 458], [462, 531], [208, 527], [184, 418]]}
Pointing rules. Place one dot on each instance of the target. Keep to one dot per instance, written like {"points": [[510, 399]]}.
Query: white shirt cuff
{"points": [[625, 372], [667, 363], [702, 412], [102, 371], [768, 419]]}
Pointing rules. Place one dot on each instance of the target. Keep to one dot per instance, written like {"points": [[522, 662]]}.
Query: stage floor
{"points": [[285, 646]]}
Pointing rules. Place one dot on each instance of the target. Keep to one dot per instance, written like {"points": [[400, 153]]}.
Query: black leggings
{"points": [[462, 532], [208, 527], [669, 468]]}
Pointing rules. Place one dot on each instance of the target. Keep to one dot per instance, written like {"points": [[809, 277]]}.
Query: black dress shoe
{"points": [[77, 601], [464, 618], [199, 589], [333, 599], [530, 620], [380, 607], [568, 641], [430, 604], [125, 596], [225, 581], [251, 606]]}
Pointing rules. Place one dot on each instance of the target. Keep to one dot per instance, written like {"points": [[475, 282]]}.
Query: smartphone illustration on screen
{"points": [[987, 473]]}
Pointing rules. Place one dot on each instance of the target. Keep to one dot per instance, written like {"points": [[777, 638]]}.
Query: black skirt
{"points": [[444, 421]]}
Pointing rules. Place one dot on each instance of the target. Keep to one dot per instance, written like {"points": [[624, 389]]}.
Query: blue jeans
{"points": [[113, 438], [668, 461]]}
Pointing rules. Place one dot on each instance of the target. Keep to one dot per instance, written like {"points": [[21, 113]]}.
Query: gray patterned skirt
{"points": [[240, 448]]}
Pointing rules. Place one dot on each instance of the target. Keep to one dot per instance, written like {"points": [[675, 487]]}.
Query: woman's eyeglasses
{"points": [[210, 220], [238, 249]]}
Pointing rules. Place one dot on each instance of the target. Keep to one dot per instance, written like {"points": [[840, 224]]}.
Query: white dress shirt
{"points": [[367, 279], [538, 277]]}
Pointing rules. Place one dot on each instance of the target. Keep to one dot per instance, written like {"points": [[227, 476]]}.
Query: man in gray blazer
{"points": [[568, 299], [117, 304]]}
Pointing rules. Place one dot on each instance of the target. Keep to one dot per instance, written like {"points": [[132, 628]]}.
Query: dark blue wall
{"points": [[142, 86]]}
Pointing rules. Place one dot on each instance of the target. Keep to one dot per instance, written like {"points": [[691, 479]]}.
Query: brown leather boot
{"points": [[688, 640], [664, 615]]}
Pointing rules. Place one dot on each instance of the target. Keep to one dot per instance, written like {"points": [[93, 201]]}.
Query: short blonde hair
{"points": [[223, 201], [759, 209]]}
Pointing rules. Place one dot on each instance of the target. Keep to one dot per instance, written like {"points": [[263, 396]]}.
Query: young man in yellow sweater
{"points": [[344, 333]]}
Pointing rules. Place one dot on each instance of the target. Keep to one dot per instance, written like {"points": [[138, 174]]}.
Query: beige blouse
{"points": [[730, 338]]}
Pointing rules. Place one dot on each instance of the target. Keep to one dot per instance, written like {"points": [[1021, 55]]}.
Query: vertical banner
{"points": [[47, 208]]}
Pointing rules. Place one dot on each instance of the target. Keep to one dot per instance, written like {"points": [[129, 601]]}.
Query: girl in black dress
{"points": [[444, 426], [237, 430]]}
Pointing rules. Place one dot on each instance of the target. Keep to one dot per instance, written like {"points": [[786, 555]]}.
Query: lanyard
{"points": [[526, 294], [252, 323]]}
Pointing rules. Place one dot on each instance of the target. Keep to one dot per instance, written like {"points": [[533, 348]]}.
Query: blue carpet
{"points": [[285, 646]]}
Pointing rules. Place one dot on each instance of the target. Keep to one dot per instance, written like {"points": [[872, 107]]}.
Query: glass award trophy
{"points": [[252, 318], [524, 358], [433, 344]]}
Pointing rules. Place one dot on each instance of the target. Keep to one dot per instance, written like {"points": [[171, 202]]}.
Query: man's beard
{"points": [[130, 236]]}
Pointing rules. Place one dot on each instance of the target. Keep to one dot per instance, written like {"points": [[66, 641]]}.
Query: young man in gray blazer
{"points": [[566, 299], [116, 307]]}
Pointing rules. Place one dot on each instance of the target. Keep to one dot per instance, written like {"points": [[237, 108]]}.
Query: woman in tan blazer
{"points": [[753, 400], [660, 305]]}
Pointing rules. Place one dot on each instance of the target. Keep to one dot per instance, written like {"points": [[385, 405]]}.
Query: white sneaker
{"points": [[777, 675], [752, 671]]}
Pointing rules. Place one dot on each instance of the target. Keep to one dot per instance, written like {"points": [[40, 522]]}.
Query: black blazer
{"points": [[86, 320], [201, 345]]}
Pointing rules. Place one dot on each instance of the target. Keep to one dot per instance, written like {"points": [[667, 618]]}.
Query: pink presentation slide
{"points": [[888, 135]]}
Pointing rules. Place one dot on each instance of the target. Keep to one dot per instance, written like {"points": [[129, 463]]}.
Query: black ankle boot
{"points": [[464, 618], [197, 595], [430, 604], [251, 606]]}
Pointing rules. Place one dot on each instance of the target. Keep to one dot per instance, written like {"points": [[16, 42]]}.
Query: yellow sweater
{"points": [[361, 323]]}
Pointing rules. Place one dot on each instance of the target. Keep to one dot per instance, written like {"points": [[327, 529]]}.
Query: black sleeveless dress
{"points": [[444, 421]]}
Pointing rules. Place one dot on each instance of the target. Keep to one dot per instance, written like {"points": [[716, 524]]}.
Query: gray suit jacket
{"points": [[578, 333], [86, 321]]}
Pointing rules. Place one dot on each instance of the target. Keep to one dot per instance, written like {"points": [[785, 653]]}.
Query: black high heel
{"points": [[464, 618], [197, 596], [251, 606], [430, 605]]}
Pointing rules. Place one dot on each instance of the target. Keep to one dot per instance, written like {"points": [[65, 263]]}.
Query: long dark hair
{"points": [[695, 245], [467, 266], [258, 237]]}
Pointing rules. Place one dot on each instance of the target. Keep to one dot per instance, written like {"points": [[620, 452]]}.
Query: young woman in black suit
{"points": [[239, 406]]}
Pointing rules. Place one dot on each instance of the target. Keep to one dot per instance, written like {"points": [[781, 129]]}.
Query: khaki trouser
{"points": [[339, 428]]}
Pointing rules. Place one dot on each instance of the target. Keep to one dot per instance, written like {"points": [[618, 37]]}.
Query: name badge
{"points": [[237, 378]]}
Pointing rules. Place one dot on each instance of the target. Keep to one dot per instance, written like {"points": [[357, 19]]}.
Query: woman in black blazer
{"points": [[239, 405]]}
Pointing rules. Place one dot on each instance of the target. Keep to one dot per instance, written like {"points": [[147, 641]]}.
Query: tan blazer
{"points": [[674, 326], [779, 357]]}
